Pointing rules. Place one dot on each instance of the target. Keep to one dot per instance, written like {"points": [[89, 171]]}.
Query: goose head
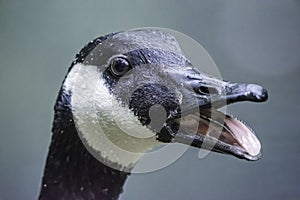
{"points": [[135, 90]]}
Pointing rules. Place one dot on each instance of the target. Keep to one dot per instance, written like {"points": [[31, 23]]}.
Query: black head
{"points": [[145, 74]]}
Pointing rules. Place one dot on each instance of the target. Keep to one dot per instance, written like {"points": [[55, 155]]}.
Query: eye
{"points": [[119, 66]]}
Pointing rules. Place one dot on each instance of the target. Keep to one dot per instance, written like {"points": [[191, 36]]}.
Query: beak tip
{"points": [[259, 93], [264, 95]]}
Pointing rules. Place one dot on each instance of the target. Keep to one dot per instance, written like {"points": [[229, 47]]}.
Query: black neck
{"points": [[71, 172]]}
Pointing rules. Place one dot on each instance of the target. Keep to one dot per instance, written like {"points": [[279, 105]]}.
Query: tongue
{"points": [[244, 136]]}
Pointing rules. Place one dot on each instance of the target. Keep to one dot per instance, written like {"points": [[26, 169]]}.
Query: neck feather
{"points": [[71, 172]]}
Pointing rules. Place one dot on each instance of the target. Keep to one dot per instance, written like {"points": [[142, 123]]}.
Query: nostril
{"points": [[207, 90], [203, 90]]}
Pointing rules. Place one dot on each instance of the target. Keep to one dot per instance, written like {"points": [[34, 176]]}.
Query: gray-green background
{"points": [[250, 41]]}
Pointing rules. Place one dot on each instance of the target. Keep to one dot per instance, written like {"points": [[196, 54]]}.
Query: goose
{"points": [[126, 93]]}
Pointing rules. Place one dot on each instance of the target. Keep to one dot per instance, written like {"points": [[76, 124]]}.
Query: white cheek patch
{"points": [[109, 131]]}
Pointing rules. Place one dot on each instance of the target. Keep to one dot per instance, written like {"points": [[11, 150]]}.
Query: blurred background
{"points": [[250, 41]]}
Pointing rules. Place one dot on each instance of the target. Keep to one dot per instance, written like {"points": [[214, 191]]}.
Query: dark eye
{"points": [[119, 66]]}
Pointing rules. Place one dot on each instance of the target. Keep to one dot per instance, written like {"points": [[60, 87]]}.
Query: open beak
{"points": [[203, 126]]}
